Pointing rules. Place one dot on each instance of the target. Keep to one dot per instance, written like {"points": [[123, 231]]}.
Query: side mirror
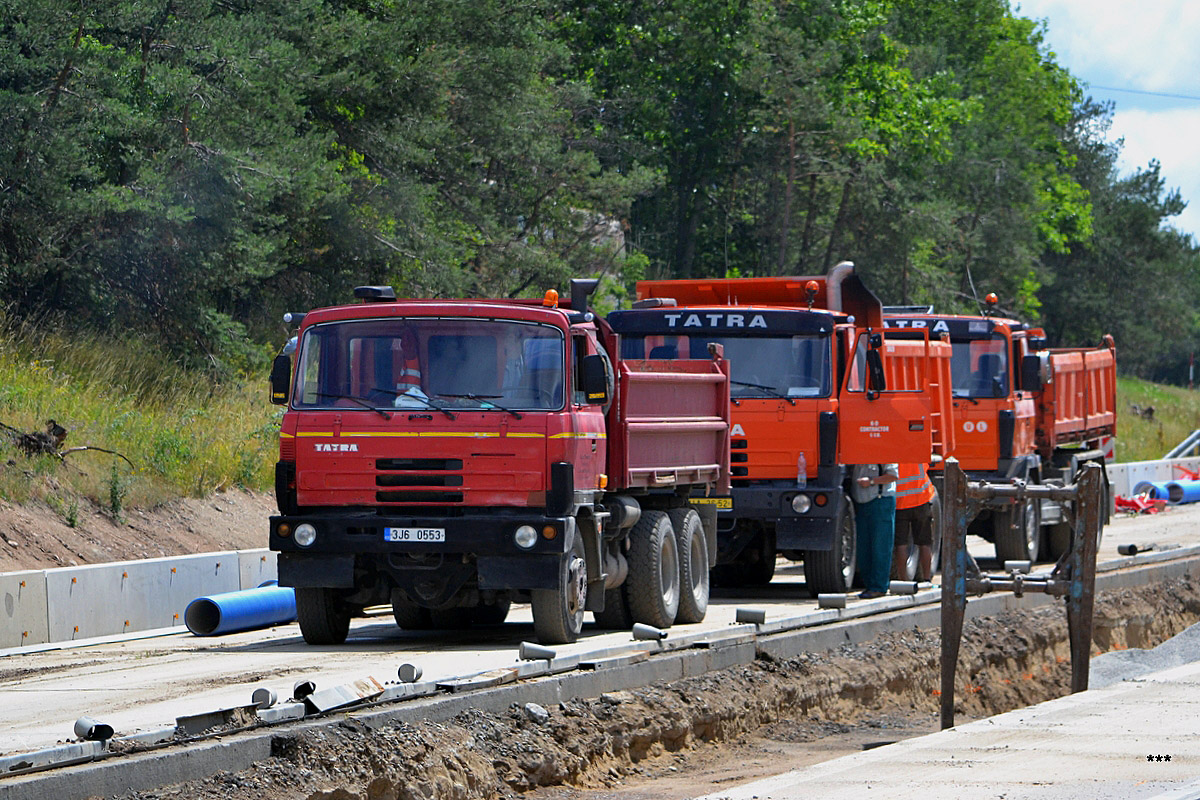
{"points": [[876, 381], [1033, 370], [281, 379], [595, 380]]}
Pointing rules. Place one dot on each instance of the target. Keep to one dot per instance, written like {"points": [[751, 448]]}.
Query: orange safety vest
{"points": [[913, 488]]}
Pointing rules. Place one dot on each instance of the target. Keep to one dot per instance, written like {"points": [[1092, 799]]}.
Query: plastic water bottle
{"points": [[801, 471]]}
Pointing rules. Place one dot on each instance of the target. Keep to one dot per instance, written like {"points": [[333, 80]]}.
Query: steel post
{"points": [[1082, 597]]}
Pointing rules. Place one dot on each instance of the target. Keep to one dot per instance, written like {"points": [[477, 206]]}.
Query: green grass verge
{"points": [[1145, 438], [185, 434]]}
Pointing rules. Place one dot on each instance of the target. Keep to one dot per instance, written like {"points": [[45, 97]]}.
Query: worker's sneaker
{"points": [[870, 594]]}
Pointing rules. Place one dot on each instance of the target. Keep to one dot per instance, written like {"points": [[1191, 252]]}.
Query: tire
{"points": [[491, 613], [458, 618], [408, 615], [653, 583], [693, 565], [324, 618], [760, 570], [616, 615], [1017, 532], [832, 571], [558, 613], [1058, 540]]}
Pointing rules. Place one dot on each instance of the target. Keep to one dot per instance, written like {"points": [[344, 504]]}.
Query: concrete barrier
{"points": [[1123, 477], [23, 609], [70, 603]]}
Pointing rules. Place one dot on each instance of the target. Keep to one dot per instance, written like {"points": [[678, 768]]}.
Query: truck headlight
{"points": [[305, 534], [801, 504], [525, 537]]}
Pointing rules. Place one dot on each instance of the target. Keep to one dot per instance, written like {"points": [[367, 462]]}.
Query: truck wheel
{"points": [[832, 571], [1017, 532], [761, 568], [324, 618], [653, 582], [1058, 540], [693, 565], [409, 615], [451, 619], [558, 613], [491, 613], [616, 611]]}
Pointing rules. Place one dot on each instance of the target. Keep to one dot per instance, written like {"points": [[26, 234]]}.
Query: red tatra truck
{"points": [[1023, 412], [817, 386], [452, 456]]}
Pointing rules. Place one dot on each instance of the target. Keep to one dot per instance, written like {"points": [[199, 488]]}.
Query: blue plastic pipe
{"points": [[245, 610], [1160, 490], [1189, 491]]}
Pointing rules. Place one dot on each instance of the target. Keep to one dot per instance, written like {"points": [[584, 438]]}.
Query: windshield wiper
{"points": [[771, 389], [481, 399], [420, 397], [358, 400]]}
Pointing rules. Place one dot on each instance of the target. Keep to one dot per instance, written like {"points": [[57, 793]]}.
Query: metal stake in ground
{"points": [[1073, 577]]}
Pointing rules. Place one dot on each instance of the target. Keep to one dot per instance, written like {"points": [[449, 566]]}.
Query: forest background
{"points": [[184, 171]]}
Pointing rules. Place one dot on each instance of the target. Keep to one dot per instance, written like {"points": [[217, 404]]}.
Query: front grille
{"points": [[426, 464], [419, 496], [425, 474], [418, 480]]}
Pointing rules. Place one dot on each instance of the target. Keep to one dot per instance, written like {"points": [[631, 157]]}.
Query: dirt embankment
{"points": [[36, 536], [886, 687]]}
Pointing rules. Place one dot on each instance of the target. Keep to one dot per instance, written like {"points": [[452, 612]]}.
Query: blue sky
{"points": [[1151, 50]]}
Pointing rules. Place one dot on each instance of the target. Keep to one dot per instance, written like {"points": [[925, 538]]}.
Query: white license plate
{"points": [[414, 534]]}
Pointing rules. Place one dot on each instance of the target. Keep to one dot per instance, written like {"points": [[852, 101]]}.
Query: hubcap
{"points": [[699, 569], [576, 585], [669, 571]]}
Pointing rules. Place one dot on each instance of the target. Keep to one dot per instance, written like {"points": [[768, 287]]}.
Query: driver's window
{"points": [[579, 349]]}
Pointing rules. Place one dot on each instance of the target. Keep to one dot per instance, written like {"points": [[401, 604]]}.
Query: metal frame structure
{"points": [[1073, 577]]}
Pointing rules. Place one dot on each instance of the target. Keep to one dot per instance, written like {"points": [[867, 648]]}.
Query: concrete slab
{"points": [[1104, 743]]}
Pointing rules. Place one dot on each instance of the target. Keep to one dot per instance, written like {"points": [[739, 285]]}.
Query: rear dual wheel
{"points": [[653, 585], [693, 564]]}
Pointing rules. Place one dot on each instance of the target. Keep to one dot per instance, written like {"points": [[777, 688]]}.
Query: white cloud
{"points": [[1146, 46], [1173, 138], [1149, 45]]}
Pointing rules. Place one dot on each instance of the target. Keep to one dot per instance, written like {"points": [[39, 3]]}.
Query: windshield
{"points": [[760, 366], [979, 367], [431, 363]]}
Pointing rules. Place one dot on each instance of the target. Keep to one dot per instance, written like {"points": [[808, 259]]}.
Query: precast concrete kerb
{"points": [[545, 682]]}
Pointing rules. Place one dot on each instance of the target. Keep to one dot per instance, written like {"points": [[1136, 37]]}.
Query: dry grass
{"points": [[184, 433]]}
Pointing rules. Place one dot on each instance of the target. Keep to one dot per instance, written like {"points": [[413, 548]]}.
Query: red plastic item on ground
{"points": [[1139, 504]]}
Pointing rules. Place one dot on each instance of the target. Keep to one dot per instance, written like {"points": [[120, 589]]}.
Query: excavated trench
{"points": [[1006, 662]]}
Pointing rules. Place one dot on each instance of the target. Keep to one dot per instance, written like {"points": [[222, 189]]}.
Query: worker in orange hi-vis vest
{"points": [[914, 521]]}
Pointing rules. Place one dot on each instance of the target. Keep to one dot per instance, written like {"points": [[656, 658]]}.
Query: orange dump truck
{"points": [[817, 385], [1023, 412], [452, 456]]}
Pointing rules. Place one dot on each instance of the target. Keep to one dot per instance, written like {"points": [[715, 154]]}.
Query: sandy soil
{"points": [[34, 536]]}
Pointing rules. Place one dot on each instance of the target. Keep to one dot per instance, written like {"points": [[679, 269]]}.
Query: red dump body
{"points": [[670, 425]]}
